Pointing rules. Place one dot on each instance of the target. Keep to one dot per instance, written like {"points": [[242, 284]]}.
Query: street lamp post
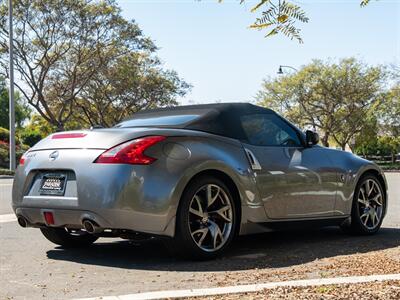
{"points": [[280, 70], [11, 90]]}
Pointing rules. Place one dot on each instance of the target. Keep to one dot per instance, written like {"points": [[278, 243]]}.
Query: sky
{"points": [[211, 47]]}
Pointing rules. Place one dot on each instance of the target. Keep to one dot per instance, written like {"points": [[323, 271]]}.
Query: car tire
{"points": [[364, 207], [62, 237], [216, 228]]}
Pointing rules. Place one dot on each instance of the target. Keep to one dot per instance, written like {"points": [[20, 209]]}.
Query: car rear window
{"points": [[148, 121]]}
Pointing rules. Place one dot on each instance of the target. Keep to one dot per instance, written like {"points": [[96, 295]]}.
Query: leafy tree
{"points": [[389, 112], [366, 141], [62, 47], [134, 82], [281, 16], [30, 137], [382, 146], [39, 125], [22, 112], [337, 98], [389, 145]]}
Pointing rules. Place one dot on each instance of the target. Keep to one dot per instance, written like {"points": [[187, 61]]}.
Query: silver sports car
{"points": [[195, 176]]}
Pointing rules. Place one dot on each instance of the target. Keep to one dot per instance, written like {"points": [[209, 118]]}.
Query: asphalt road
{"points": [[33, 268]]}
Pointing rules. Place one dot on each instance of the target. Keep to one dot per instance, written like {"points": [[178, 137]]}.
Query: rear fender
{"points": [[230, 159]]}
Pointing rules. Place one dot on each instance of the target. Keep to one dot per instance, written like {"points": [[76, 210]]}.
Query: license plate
{"points": [[53, 184]]}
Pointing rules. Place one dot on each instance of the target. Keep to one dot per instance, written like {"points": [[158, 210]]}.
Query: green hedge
{"points": [[4, 135], [19, 147], [30, 137], [6, 172], [5, 156], [389, 166]]}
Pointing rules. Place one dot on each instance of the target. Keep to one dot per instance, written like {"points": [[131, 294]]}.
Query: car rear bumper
{"points": [[115, 196], [105, 219]]}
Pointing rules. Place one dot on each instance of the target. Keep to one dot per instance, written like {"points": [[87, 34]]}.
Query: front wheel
{"points": [[68, 238], [368, 208], [206, 219]]}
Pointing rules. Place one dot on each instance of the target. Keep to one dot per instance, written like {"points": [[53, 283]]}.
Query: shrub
{"points": [[5, 154], [4, 158], [6, 172], [23, 147], [4, 145], [4, 135], [30, 137]]}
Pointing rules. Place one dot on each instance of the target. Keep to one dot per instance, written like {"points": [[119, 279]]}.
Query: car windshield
{"points": [[146, 121]]}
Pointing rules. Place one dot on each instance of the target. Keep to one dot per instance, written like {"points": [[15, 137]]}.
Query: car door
{"points": [[294, 181]]}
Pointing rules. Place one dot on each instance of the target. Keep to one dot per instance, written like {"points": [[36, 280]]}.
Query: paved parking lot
{"points": [[32, 268]]}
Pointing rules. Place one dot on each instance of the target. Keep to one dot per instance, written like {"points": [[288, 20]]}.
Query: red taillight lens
{"points": [[131, 152], [22, 159]]}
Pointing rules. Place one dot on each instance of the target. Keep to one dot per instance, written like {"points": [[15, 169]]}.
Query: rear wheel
{"points": [[369, 205], [206, 219], [68, 238]]}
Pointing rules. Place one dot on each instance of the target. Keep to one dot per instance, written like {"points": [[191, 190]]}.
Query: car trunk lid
{"points": [[90, 139]]}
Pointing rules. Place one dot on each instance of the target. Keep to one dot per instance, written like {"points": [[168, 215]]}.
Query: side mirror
{"points": [[312, 138]]}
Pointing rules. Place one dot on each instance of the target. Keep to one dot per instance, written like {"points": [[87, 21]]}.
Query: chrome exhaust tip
{"points": [[91, 227], [22, 221]]}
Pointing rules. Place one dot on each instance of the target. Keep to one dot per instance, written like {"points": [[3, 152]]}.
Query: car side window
{"points": [[269, 130]]}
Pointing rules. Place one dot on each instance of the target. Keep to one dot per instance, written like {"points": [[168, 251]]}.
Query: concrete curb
{"points": [[248, 288]]}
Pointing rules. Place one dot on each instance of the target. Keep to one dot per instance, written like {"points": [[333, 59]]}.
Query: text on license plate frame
{"points": [[53, 184]]}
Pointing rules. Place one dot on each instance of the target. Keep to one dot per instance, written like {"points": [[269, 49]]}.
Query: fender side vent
{"points": [[255, 165]]}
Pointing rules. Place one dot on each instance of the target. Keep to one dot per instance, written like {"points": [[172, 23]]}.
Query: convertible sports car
{"points": [[194, 176]]}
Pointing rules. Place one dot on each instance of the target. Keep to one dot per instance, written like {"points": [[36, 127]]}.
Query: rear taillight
{"points": [[22, 159], [131, 152]]}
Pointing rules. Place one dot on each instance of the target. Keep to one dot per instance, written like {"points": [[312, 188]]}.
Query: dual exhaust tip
{"points": [[90, 226], [22, 221]]}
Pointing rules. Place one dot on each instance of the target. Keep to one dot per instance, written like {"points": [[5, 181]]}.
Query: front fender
{"points": [[350, 168], [372, 167]]}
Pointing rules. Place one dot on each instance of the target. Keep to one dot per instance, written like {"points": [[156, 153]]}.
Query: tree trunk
{"points": [[60, 127], [393, 157], [324, 140], [365, 154]]}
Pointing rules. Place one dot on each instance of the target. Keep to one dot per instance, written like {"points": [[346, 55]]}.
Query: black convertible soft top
{"points": [[220, 118]]}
